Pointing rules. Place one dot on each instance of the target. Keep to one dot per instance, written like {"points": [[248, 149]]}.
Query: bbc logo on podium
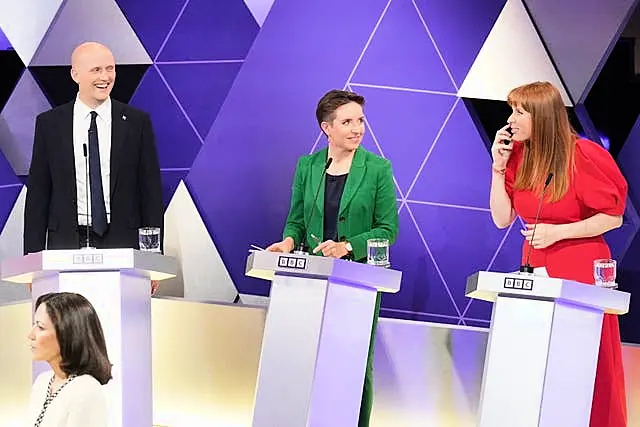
{"points": [[292, 262], [87, 258], [518, 283]]}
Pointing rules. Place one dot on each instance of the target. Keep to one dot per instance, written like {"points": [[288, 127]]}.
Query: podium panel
{"points": [[117, 282], [316, 338], [543, 348]]}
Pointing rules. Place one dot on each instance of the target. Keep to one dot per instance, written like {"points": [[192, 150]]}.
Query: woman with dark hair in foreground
{"points": [[67, 334]]}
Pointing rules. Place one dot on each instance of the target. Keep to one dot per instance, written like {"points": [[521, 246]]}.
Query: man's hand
{"points": [[154, 286]]}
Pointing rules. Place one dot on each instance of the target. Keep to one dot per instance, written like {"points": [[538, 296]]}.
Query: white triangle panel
{"points": [[90, 20], [25, 22], [512, 55], [17, 122], [259, 9], [11, 247], [202, 274]]}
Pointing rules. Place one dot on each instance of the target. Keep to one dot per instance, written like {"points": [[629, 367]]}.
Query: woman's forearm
{"points": [[593, 226], [501, 210]]}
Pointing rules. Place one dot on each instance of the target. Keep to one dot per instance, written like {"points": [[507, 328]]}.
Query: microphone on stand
{"points": [[86, 163], [302, 248], [526, 268]]}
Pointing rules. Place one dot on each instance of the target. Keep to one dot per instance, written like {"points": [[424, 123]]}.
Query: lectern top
{"points": [[265, 265], [24, 269], [488, 285]]}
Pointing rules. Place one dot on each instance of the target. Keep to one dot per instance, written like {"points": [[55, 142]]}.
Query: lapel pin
{"points": [[124, 117]]}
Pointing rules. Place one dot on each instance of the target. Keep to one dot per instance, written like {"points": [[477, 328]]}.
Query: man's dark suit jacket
{"points": [[51, 212]]}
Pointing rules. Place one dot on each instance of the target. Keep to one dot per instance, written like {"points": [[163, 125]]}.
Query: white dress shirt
{"points": [[81, 122], [81, 403]]}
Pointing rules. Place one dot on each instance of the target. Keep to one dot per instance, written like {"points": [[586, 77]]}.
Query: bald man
{"points": [[123, 192]]}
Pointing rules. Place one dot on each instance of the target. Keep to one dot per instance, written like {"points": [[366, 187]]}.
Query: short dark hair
{"points": [[329, 103], [83, 349]]}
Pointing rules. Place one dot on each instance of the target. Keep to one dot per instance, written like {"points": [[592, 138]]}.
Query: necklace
{"points": [[50, 396]]}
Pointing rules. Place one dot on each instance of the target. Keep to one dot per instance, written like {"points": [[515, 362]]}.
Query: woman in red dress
{"points": [[585, 199]]}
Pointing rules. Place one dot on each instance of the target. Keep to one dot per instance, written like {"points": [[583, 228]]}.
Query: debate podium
{"points": [[543, 348], [117, 282], [316, 337]]}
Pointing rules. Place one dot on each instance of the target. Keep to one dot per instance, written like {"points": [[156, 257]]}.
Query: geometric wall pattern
{"points": [[512, 54], [580, 45], [232, 86]]}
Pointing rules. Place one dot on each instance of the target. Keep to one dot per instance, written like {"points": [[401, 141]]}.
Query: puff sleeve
{"points": [[600, 185]]}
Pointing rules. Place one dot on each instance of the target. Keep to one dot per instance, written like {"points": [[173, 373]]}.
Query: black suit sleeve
{"points": [[149, 178], [36, 211]]}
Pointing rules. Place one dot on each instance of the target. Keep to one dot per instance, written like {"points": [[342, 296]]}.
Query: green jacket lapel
{"points": [[356, 173]]}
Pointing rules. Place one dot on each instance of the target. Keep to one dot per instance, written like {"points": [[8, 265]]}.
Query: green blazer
{"points": [[368, 208]]}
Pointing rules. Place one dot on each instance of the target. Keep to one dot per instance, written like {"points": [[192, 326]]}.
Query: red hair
{"points": [[551, 146]]}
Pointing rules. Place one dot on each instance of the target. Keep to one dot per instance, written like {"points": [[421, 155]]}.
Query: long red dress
{"points": [[597, 186]]}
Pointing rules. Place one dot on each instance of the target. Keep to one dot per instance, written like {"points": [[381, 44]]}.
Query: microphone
{"points": [[86, 185], [302, 248], [526, 268]]}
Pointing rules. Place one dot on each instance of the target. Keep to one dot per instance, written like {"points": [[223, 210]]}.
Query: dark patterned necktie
{"points": [[98, 210]]}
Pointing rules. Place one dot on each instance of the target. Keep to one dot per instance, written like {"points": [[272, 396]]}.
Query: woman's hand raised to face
{"points": [[500, 152]]}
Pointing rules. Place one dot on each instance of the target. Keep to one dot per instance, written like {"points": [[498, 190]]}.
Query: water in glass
{"points": [[604, 273], [378, 252], [149, 239]]}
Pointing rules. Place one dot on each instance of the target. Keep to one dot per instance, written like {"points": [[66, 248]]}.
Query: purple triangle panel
{"points": [[405, 144], [214, 80], [211, 30], [462, 242], [507, 260], [628, 159], [459, 29], [7, 175], [177, 142], [5, 44], [458, 171], [151, 23], [422, 290], [170, 181], [401, 54]]}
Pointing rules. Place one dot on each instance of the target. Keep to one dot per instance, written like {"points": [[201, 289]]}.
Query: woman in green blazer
{"points": [[356, 200]]}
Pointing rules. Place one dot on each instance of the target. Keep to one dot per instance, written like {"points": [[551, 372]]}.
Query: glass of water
{"points": [[604, 273], [378, 252], [149, 239]]}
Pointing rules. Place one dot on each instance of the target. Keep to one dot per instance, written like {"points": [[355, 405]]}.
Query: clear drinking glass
{"points": [[149, 239], [378, 252], [604, 273]]}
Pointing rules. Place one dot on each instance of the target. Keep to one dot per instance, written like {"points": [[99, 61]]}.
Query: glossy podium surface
{"points": [[316, 338], [543, 348]]}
